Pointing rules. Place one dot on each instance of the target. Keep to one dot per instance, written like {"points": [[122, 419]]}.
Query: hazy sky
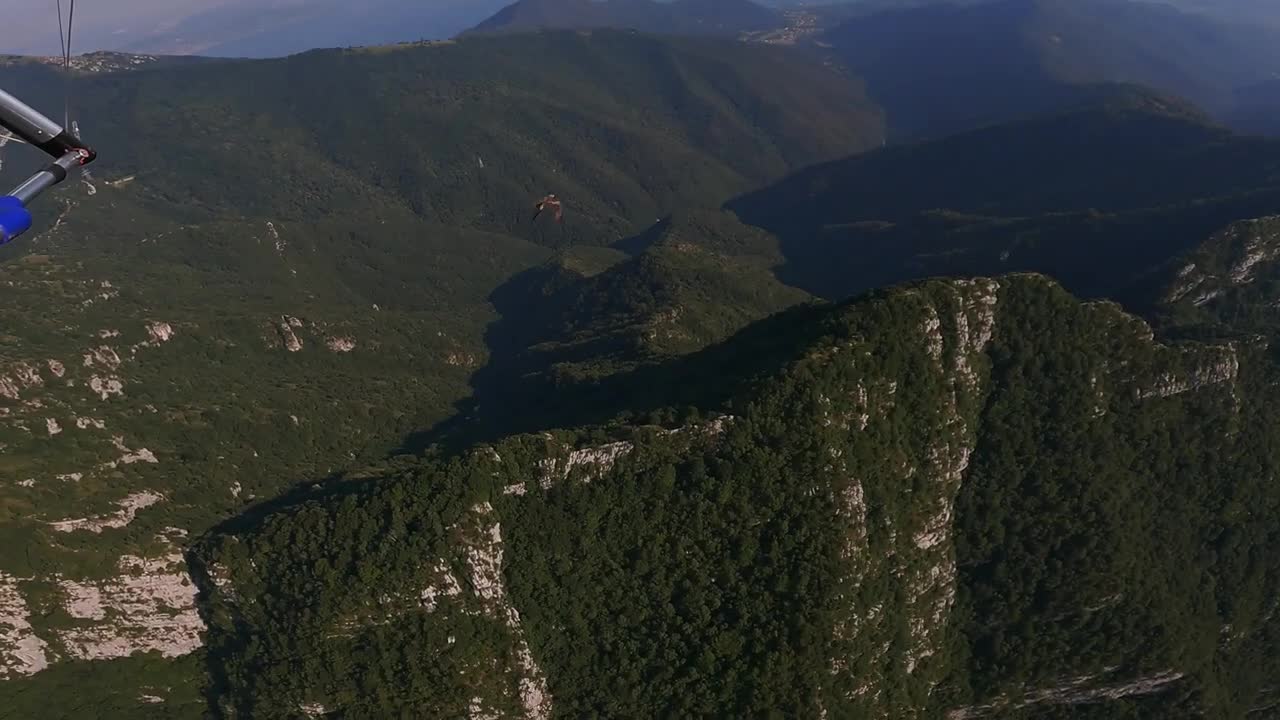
{"points": [[31, 26]]}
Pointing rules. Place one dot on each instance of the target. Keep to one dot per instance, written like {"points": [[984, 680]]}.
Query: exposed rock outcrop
{"points": [[149, 607], [129, 508], [1074, 691], [22, 652]]}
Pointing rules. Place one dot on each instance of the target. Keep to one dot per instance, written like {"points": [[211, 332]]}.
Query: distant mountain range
{"points": [[700, 17], [935, 68], [272, 28], [941, 67]]}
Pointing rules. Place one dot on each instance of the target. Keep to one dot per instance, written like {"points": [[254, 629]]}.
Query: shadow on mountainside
{"points": [[523, 389]]}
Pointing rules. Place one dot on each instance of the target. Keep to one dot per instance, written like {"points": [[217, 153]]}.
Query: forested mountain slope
{"points": [[960, 499], [623, 128], [571, 327], [259, 288]]}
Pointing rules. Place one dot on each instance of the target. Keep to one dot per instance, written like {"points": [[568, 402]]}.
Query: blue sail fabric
{"points": [[14, 218]]}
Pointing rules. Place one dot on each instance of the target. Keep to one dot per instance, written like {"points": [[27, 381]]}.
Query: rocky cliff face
{"points": [[1229, 284], [871, 532], [74, 469], [1239, 255], [881, 647]]}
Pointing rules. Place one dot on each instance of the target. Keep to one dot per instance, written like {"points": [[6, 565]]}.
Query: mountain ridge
{"points": [[694, 17], [716, 117], [981, 202]]}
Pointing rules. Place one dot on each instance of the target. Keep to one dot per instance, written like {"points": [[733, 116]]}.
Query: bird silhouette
{"points": [[550, 202]]}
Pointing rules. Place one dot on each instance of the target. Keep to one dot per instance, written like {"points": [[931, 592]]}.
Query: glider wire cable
{"points": [[64, 39]]}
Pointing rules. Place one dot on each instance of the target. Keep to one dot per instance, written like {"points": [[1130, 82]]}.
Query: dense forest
{"points": [[794, 551], [306, 341]]}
